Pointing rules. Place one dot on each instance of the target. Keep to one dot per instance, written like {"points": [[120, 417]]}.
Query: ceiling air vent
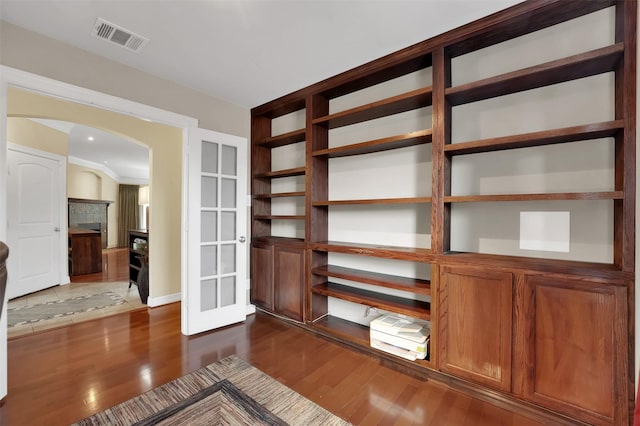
{"points": [[122, 37]]}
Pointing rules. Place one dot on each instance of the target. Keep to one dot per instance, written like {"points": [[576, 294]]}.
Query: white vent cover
{"points": [[122, 37]]}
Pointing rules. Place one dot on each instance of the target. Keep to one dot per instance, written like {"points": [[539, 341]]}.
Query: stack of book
{"points": [[400, 336]]}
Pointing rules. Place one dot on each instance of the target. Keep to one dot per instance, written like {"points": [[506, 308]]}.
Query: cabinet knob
{"points": [[242, 239]]}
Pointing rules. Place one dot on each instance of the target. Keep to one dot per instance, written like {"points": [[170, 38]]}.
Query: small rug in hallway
{"points": [[62, 308], [228, 392]]}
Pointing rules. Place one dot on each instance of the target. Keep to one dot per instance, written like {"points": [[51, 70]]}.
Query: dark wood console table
{"points": [[85, 251]]}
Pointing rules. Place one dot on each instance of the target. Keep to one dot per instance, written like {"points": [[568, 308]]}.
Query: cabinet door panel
{"points": [[262, 276], [475, 325], [290, 283], [578, 351]]}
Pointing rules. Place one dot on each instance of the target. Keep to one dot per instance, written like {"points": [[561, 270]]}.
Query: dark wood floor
{"points": [[60, 376]]}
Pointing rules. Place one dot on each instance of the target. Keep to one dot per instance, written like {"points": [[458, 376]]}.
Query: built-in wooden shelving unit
{"points": [[518, 325]]}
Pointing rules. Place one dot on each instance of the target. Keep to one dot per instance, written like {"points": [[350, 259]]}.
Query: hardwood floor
{"points": [[60, 376]]}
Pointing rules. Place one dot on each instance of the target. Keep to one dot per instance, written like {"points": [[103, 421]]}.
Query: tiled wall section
{"points": [[83, 213]]}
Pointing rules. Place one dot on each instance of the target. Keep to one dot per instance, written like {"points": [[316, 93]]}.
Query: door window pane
{"points": [[229, 160], [208, 295], [208, 261], [208, 227], [209, 157], [228, 258], [228, 193], [228, 226], [209, 191], [228, 291]]}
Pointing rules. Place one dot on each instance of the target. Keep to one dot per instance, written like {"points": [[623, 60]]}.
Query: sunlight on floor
{"points": [[63, 292]]}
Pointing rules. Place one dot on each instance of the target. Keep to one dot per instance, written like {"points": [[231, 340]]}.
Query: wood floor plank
{"points": [[60, 376]]}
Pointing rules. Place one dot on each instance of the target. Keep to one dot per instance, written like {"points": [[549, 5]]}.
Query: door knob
{"points": [[56, 229], [242, 239]]}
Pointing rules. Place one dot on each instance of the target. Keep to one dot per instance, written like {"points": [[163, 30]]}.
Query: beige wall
{"points": [[82, 182], [26, 132], [165, 154], [92, 184], [32, 52]]}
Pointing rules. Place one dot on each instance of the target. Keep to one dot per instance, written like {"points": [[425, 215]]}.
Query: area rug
{"points": [[61, 308], [228, 392]]}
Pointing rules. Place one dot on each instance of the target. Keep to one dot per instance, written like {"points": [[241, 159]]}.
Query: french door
{"points": [[216, 241]]}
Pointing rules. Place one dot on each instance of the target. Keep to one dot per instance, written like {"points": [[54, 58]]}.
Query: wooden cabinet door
{"points": [[262, 276], [474, 323], [577, 348], [289, 279]]}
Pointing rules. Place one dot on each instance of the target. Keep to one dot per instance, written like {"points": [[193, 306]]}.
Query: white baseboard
{"points": [[251, 309], [152, 302]]}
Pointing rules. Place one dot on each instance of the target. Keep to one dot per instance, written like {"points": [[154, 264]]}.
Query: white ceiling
{"points": [[247, 52], [125, 161]]}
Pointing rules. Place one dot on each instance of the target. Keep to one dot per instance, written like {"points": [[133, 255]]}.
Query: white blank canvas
{"points": [[546, 231]]}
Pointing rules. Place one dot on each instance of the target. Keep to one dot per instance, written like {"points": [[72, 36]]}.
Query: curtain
{"points": [[127, 212]]}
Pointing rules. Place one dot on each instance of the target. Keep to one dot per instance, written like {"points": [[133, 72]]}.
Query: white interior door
{"points": [[33, 222], [215, 292]]}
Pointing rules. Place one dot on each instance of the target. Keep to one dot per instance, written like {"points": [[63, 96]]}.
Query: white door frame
{"points": [[63, 264], [57, 89]]}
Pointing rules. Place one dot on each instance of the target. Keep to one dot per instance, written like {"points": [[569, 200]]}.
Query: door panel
{"points": [[289, 289], [475, 317], [262, 276], [215, 294], [577, 357], [34, 223]]}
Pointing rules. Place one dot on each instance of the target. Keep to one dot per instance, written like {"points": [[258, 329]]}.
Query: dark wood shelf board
{"points": [[281, 241], [412, 308], [297, 171], [390, 252], [279, 217], [346, 330], [546, 137], [516, 21], [413, 285], [394, 142], [390, 106], [280, 195], [611, 195], [593, 270], [410, 200], [571, 68], [284, 139]]}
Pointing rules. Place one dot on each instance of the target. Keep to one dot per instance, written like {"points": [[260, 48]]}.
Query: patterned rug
{"points": [[62, 308], [228, 392]]}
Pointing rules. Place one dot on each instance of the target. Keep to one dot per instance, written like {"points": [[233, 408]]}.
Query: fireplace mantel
{"points": [[83, 200]]}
